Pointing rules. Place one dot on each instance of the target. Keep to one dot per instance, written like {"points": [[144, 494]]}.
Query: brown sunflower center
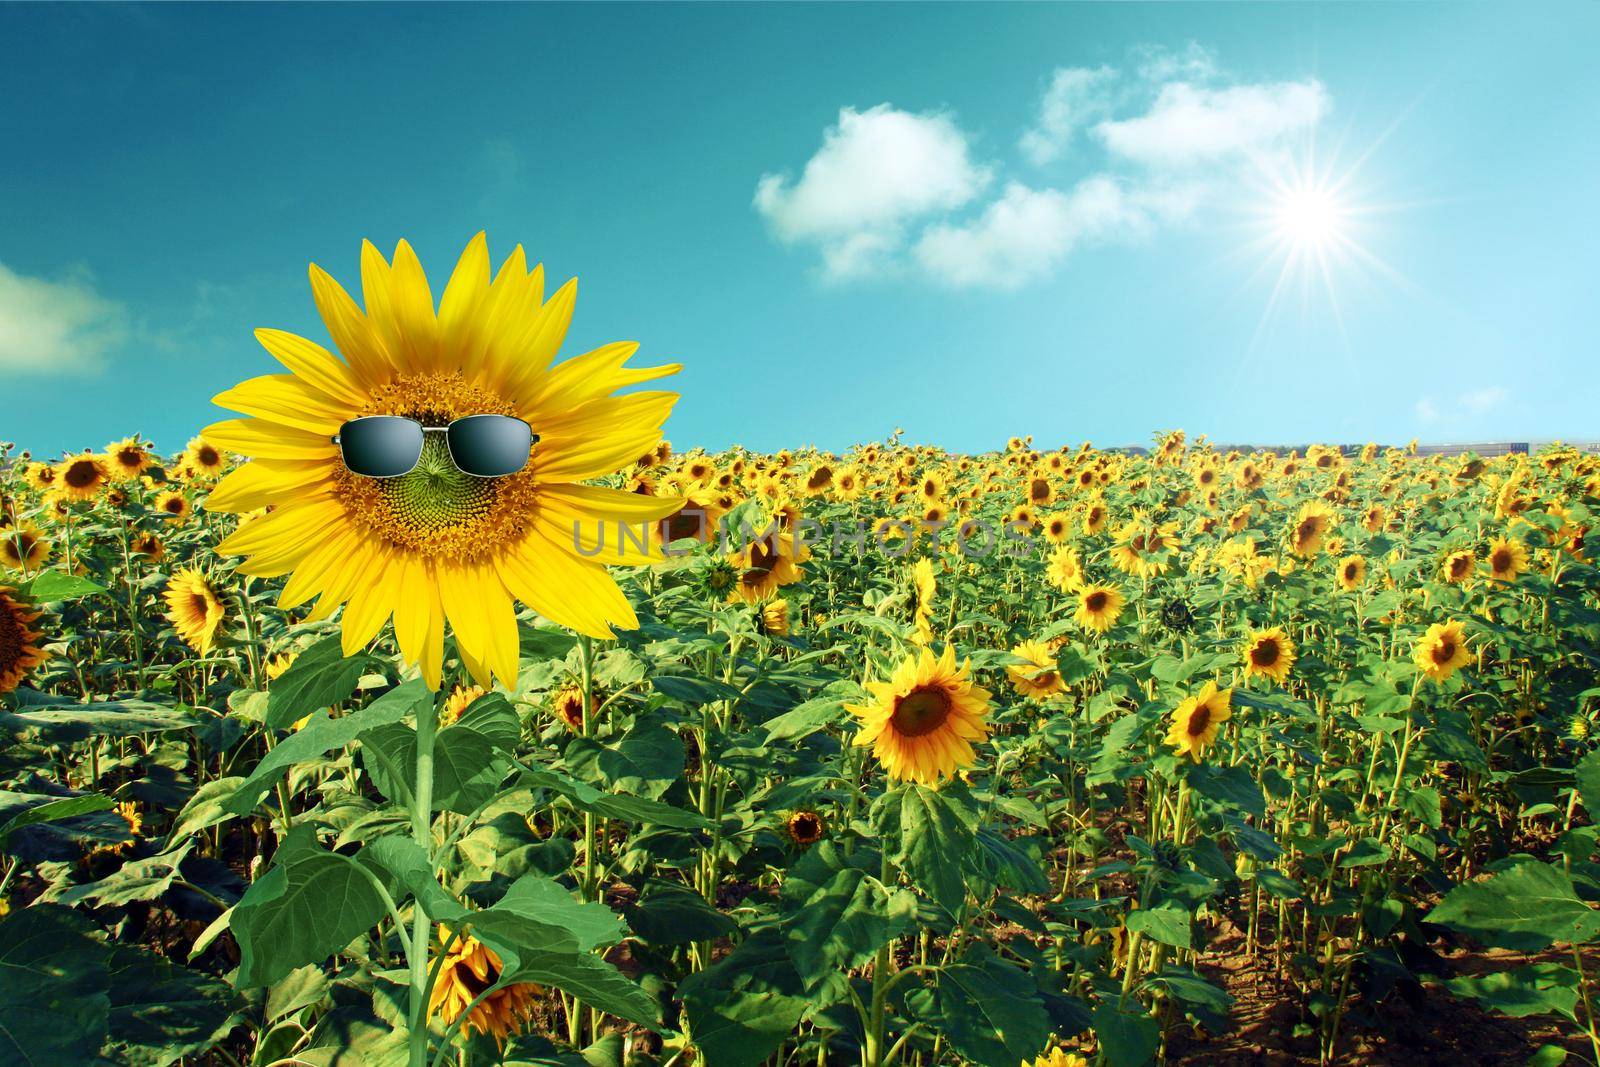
{"points": [[81, 474], [174, 505], [1265, 653], [1444, 651], [130, 457], [762, 561], [1096, 601], [922, 711], [1351, 571], [805, 826], [1501, 560], [199, 605], [437, 509], [1458, 566], [1199, 720]]}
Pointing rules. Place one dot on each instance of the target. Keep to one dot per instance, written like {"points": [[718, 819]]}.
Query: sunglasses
{"points": [[388, 446]]}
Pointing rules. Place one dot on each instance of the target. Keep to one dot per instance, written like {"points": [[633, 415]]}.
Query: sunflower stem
{"points": [[421, 926]]}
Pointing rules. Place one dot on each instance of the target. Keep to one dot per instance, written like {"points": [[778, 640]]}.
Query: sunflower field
{"points": [[895, 756]]}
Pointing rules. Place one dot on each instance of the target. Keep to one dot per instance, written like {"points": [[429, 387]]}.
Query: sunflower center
{"points": [[921, 711], [437, 509], [81, 474], [1199, 720], [1444, 651], [1265, 654], [1502, 560], [1096, 601]]}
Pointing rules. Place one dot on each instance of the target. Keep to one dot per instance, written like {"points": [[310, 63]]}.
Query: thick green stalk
{"points": [[421, 926]]}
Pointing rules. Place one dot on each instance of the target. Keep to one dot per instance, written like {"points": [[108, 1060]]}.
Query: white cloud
{"points": [[1189, 124], [1482, 401], [53, 327], [1427, 410], [1075, 97], [1024, 234], [877, 170], [1195, 63], [1464, 407]]}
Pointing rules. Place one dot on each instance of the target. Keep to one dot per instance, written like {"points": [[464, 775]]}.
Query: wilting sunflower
{"points": [[1458, 567], [1508, 558], [127, 458], [767, 564], [923, 589], [567, 705], [921, 723], [1099, 607], [23, 547], [1352, 573], [194, 609], [805, 828], [773, 616], [1065, 569], [20, 647], [172, 504], [437, 544], [1195, 721], [468, 969], [1038, 678], [1442, 651], [1310, 529], [1268, 653], [82, 477]]}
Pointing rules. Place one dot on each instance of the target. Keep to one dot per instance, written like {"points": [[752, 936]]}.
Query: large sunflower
{"points": [[83, 476], [437, 544], [194, 609], [1037, 678], [20, 648], [1195, 721], [1144, 547], [1268, 653], [468, 969], [921, 723], [1442, 651]]}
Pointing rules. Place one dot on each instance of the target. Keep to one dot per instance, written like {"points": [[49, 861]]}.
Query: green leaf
{"points": [[1167, 924], [311, 904], [613, 805], [320, 677], [989, 1010], [323, 735], [49, 587], [843, 922], [467, 768], [933, 845], [138, 879], [1588, 772], [1525, 908], [54, 811], [1128, 1039], [111, 718], [645, 761], [805, 720], [1536, 989], [671, 914], [160, 1012], [207, 808], [741, 1008], [548, 954], [54, 1008]]}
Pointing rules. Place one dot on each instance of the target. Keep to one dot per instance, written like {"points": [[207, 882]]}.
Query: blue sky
{"points": [[968, 221]]}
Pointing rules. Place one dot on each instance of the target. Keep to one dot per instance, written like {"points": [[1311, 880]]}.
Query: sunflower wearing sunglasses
{"points": [[432, 470]]}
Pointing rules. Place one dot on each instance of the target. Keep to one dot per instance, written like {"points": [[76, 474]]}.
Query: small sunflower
{"points": [[1143, 547], [204, 459], [924, 586], [468, 969], [149, 545], [1442, 651], [1065, 569], [567, 705], [42, 477], [1352, 573], [1195, 722], [767, 564], [127, 458], [1458, 566], [23, 547], [459, 701], [1269, 654], [1057, 526], [1311, 527], [82, 477], [20, 647], [1038, 678], [805, 828], [1508, 558], [773, 616], [172, 504], [1099, 607], [194, 609], [921, 723], [1058, 1057], [719, 578]]}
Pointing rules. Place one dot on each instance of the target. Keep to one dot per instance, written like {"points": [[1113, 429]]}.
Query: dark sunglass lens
{"points": [[490, 446], [381, 446]]}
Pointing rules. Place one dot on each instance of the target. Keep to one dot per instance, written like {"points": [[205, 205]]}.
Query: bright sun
{"points": [[1309, 217]]}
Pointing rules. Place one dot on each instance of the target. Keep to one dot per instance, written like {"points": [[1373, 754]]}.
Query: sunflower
{"points": [[819, 480], [1038, 678], [1143, 546], [1442, 651], [23, 547], [127, 458], [1057, 526], [1065, 569], [1095, 517], [921, 723], [1196, 720], [468, 969], [1040, 490], [204, 459], [20, 648], [1458, 566], [42, 477], [773, 617], [459, 701], [1268, 653], [1099, 607], [805, 828], [767, 564], [697, 516], [1058, 1057], [437, 544], [148, 544], [1310, 528], [172, 504], [1507, 559], [567, 704], [194, 609], [1352, 572], [277, 665], [924, 586], [83, 476]]}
